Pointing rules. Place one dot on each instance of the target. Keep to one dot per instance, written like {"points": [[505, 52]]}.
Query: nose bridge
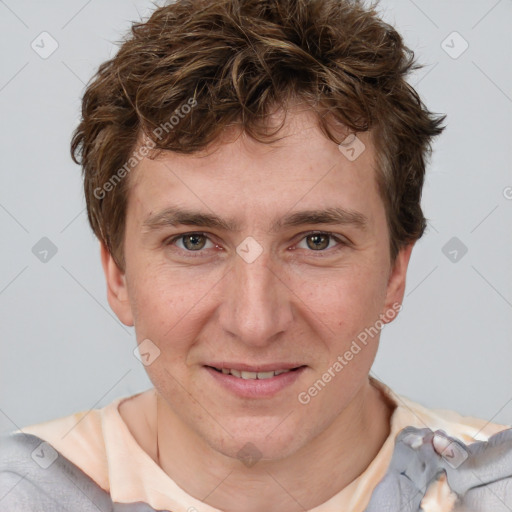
{"points": [[257, 306]]}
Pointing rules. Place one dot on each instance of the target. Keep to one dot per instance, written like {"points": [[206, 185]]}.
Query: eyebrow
{"points": [[173, 216]]}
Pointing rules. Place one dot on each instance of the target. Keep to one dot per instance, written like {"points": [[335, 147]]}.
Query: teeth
{"points": [[265, 375], [253, 375]]}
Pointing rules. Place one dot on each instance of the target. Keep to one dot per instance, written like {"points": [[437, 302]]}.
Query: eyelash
{"points": [[341, 243]]}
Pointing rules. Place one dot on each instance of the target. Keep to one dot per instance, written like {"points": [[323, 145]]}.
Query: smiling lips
{"points": [[248, 375], [254, 372], [255, 382]]}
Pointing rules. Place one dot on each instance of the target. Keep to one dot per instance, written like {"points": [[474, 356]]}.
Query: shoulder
{"points": [[440, 457], [66, 463], [432, 469], [34, 477], [409, 412]]}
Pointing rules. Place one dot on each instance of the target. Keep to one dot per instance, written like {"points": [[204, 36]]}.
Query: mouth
{"points": [[260, 382], [253, 375]]}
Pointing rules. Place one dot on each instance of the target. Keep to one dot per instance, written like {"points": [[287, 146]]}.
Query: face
{"points": [[257, 257]]}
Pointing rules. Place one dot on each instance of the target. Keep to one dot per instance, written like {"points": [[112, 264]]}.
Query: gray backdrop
{"points": [[63, 350]]}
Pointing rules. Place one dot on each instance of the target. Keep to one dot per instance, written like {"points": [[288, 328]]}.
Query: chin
{"points": [[258, 441]]}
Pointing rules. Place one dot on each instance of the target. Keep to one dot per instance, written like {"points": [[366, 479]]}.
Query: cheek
{"points": [[344, 298], [157, 301], [166, 301]]}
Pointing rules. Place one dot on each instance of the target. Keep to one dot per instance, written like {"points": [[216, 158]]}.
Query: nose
{"points": [[256, 308]]}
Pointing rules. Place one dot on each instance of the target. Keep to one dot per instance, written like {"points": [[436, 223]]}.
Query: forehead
{"points": [[240, 175]]}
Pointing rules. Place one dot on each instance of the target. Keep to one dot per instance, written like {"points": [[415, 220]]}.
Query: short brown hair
{"points": [[236, 60]]}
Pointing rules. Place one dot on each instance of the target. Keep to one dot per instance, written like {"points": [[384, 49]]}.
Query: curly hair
{"points": [[234, 61]]}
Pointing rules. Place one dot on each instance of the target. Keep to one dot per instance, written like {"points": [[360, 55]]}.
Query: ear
{"points": [[117, 292], [396, 284]]}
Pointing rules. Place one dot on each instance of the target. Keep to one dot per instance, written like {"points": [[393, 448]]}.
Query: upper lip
{"points": [[255, 368]]}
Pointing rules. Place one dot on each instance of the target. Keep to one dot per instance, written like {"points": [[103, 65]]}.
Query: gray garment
{"points": [[27, 486], [35, 478], [479, 473]]}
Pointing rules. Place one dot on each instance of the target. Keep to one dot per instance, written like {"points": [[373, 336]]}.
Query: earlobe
{"points": [[396, 282], [117, 291]]}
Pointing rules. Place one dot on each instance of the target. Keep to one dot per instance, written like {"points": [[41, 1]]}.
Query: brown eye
{"points": [[318, 242], [187, 243], [193, 242]]}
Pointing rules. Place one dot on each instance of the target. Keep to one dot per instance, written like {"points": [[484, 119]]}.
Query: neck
{"points": [[333, 460]]}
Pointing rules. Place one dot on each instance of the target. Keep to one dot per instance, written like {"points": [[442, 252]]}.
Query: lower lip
{"points": [[256, 388]]}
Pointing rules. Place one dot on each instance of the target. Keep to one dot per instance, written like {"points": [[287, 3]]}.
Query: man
{"points": [[253, 171]]}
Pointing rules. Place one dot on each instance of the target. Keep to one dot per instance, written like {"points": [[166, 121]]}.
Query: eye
{"points": [[320, 241], [191, 242]]}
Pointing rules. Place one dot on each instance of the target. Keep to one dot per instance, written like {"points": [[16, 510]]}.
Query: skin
{"points": [[293, 303]]}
